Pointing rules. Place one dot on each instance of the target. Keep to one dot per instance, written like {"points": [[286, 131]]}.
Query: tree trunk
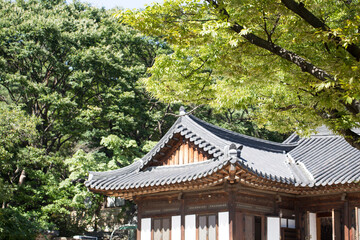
{"points": [[314, 21], [22, 177]]}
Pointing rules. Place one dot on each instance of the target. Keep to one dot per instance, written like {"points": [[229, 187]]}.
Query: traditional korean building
{"points": [[203, 182]]}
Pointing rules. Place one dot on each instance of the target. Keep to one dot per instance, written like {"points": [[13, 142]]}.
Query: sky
{"points": [[119, 3]]}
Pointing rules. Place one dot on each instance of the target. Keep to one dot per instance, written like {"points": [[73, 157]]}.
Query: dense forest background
{"points": [[70, 102]]}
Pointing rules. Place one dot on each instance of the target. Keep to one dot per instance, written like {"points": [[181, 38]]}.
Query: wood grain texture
{"points": [[182, 151]]}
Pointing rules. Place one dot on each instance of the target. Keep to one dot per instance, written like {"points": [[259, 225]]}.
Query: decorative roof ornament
{"points": [[233, 150], [239, 149], [182, 111]]}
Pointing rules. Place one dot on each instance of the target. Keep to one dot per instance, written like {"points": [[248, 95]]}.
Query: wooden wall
{"points": [[181, 151]]}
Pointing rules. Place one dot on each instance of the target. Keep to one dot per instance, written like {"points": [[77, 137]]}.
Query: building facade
{"points": [[202, 182]]}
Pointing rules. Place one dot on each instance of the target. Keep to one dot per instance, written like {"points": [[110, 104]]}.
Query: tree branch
{"points": [[285, 54], [314, 21], [353, 108], [275, 49], [351, 137]]}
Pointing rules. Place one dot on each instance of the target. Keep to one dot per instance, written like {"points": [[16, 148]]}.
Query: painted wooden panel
{"points": [[166, 229], [179, 151], [176, 228], [161, 229], [145, 229], [312, 226], [212, 228], [190, 227], [182, 152], [336, 225], [202, 228], [273, 228], [157, 229], [224, 231]]}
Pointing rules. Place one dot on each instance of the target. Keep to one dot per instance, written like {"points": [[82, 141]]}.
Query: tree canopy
{"points": [[295, 65], [70, 102]]}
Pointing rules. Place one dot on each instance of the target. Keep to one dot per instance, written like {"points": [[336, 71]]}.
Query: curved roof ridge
{"points": [[187, 127], [248, 140], [324, 131], [320, 132], [208, 133], [293, 138], [168, 135], [125, 169]]}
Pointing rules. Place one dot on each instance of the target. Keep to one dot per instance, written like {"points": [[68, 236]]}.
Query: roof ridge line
{"points": [[225, 142], [267, 142], [300, 171], [168, 135]]}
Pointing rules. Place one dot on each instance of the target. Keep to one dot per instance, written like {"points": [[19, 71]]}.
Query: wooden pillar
{"points": [[336, 224], [357, 223], [298, 221], [197, 227], [138, 230], [352, 223], [182, 218], [346, 221], [263, 228], [152, 229], [232, 216]]}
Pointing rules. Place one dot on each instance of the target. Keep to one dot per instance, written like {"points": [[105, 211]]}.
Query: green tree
{"points": [[16, 225], [69, 80], [17, 132], [295, 63]]}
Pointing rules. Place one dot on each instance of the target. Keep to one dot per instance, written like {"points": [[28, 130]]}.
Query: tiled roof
{"points": [[322, 159], [213, 139], [156, 176], [328, 157], [166, 175], [228, 137]]}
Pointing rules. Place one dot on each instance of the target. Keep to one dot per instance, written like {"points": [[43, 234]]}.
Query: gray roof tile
{"points": [[329, 158]]}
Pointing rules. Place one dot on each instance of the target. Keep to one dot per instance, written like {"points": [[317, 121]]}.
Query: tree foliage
{"points": [[70, 102], [16, 132], [295, 63], [16, 225]]}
